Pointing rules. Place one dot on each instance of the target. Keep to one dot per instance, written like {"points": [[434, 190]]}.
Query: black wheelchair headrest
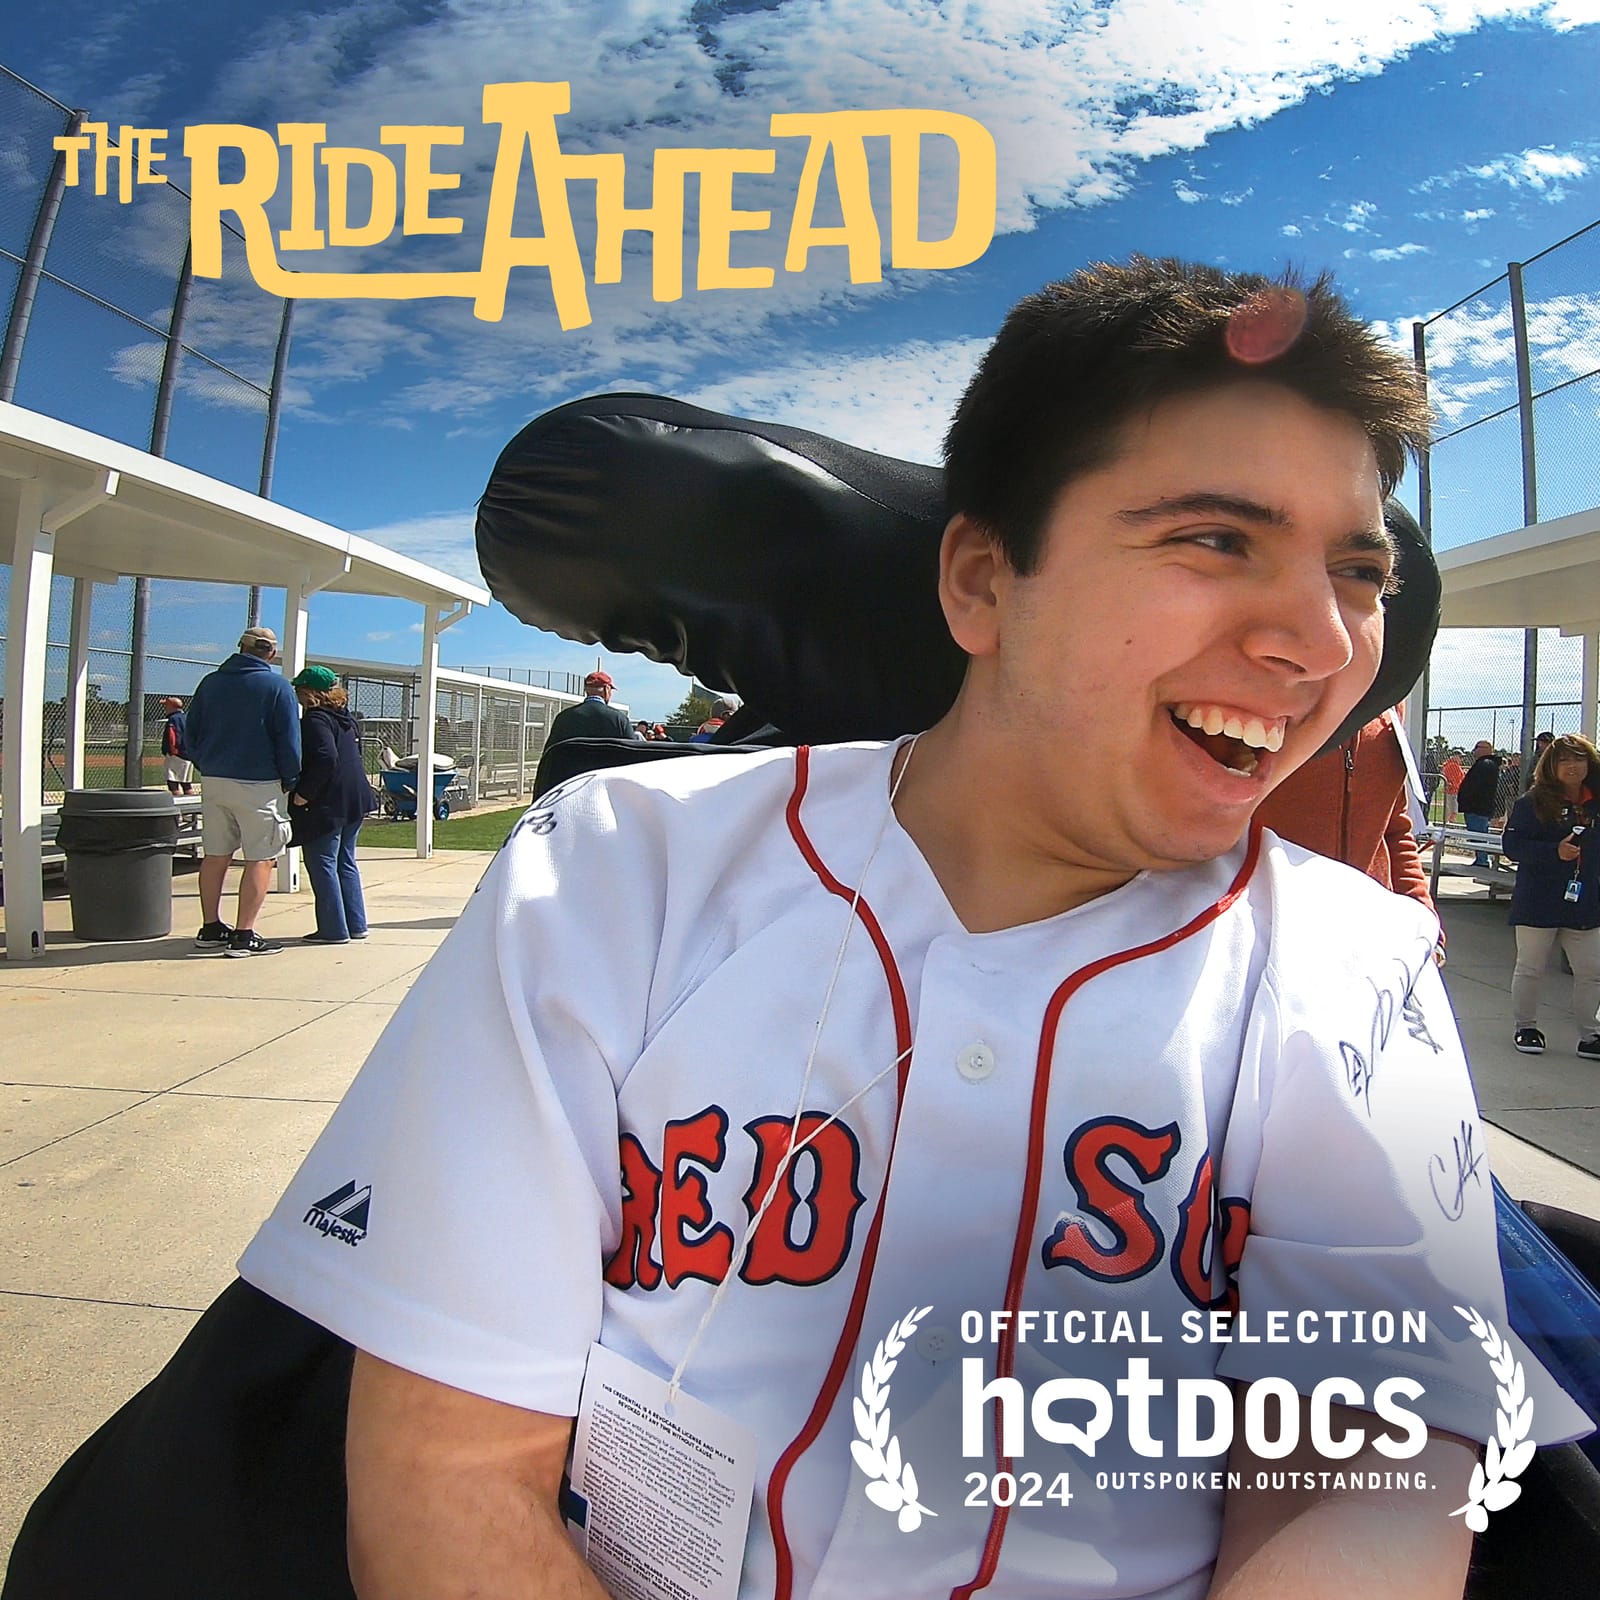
{"points": [[797, 571]]}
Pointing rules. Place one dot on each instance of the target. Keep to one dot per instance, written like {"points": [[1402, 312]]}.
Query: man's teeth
{"points": [[1248, 730]]}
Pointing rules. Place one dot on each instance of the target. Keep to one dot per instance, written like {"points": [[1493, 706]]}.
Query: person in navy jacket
{"points": [[1551, 836], [328, 806], [243, 735]]}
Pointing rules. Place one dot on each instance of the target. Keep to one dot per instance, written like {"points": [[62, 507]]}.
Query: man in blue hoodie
{"points": [[244, 735]]}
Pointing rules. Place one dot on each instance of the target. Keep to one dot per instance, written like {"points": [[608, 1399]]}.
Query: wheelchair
{"points": [[798, 572]]}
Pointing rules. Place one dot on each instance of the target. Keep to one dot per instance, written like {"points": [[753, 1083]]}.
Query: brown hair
{"points": [[1074, 362], [1549, 798], [335, 698]]}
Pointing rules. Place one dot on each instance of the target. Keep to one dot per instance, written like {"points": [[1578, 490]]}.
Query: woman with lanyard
{"points": [[1550, 834]]}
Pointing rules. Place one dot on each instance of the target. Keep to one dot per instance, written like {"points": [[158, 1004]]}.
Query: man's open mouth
{"points": [[1234, 739]]}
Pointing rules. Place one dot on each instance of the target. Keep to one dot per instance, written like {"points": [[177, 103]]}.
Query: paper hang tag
{"points": [[1414, 781], [660, 1496]]}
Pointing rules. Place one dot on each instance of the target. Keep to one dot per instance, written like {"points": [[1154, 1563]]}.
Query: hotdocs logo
{"points": [[1205, 1410]]}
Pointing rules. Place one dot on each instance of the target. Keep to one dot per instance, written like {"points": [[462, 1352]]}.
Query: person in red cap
{"points": [[593, 717], [175, 754]]}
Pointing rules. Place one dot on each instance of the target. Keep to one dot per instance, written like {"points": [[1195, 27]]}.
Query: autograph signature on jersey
{"points": [[1391, 1003], [1450, 1190]]}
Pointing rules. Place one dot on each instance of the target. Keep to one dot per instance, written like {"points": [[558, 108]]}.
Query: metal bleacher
{"points": [[1499, 877]]}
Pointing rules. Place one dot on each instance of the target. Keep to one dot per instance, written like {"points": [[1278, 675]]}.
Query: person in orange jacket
{"points": [[1454, 772], [1350, 804]]}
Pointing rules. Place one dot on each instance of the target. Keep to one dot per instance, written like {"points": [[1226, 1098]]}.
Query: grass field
{"points": [[477, 830]]}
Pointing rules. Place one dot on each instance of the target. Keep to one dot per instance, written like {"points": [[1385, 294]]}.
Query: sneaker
{"points": [[1589, 1047], [247, 942], [320, 938], [361, 935], [212, 939], [1531, 1042]]}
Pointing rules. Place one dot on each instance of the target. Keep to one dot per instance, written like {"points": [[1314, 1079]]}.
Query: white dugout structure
{"points": [[493, 727], [95, 510]]}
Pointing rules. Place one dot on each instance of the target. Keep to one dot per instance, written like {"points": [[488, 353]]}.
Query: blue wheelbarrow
{"points": [[400, 794]]}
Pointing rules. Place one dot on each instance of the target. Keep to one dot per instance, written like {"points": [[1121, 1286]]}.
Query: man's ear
{"points": [[973, 573]]}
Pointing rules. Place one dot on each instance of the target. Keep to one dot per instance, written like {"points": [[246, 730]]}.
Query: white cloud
{"points": [[1075, 97], [1481, 214], [1290, 231], [1356, 217], [1237, 197], [897, 402], [1472, 354], [443, 540], [1565, 14], [1541, 172], [1188, 195], [1397, 252], [379, 637], [1478, 666]]}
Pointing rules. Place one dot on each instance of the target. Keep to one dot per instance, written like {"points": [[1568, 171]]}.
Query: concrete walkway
{"points": [[1551, 1100], [154, 1104]]}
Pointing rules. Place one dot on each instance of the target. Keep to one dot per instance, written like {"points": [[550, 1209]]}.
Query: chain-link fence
{"points": [[533, 677], [105, 328], [1514, 376], [493, 734], [170, 670]]}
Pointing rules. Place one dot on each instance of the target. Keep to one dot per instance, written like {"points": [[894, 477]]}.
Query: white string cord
{"points": [[796, 1144]]}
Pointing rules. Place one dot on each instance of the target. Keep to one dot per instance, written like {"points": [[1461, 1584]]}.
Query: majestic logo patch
{"points": [[342, 1215]]}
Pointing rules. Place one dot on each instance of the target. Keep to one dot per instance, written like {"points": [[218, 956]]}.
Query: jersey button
{"points": [[934, 1344], [976, 1062]]}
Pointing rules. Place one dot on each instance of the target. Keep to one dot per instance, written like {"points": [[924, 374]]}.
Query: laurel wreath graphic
{"points": [[1507, 1455], [891, 1481]]}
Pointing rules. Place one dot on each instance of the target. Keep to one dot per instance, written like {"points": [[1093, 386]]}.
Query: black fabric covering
{"points": [[799, 572], [222, 1479], [794, 570], [117, 833], [572, 757], [1576, 1237], [1546, 1544]]}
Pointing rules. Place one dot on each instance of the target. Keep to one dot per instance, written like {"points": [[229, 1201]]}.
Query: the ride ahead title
{"points": [[298, 166]]}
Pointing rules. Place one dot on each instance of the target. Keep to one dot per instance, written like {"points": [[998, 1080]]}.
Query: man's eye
{"points": [[1387, 583], [1226, 540]]}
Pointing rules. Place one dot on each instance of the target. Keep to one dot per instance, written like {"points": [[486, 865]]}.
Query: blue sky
{"points": [[1415, 148]]}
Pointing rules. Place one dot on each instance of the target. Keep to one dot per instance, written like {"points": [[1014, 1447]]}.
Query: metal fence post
{"points": [[44, 224], [160, 426], [1420, 694], [1530, 500], [1419, 356], [269, 445], [477, 749]]}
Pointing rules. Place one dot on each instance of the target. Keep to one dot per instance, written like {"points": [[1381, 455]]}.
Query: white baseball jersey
{"points": [[1238, 1084]]}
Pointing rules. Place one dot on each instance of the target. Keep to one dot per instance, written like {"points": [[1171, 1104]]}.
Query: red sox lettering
{"points": [[669, 1232], [804, 1238], [1138, 1240]]}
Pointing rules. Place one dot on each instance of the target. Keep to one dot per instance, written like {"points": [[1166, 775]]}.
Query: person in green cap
{"points": [[328, 805]]}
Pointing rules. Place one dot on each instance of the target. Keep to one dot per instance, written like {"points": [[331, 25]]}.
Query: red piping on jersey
{"points": [[1022, 1245], [843, 1353]]}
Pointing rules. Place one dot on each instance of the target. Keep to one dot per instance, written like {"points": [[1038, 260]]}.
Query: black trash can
{"points": [[119, 844]]}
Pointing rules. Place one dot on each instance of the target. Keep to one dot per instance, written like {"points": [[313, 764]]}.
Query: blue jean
{"points": [[1478, 825], [335, 882]]}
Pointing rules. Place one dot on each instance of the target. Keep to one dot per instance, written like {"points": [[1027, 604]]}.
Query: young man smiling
{"points": [[1052, 1045]]}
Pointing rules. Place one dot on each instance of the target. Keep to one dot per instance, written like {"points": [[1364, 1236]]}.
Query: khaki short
{"points": [[238, 816]]}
